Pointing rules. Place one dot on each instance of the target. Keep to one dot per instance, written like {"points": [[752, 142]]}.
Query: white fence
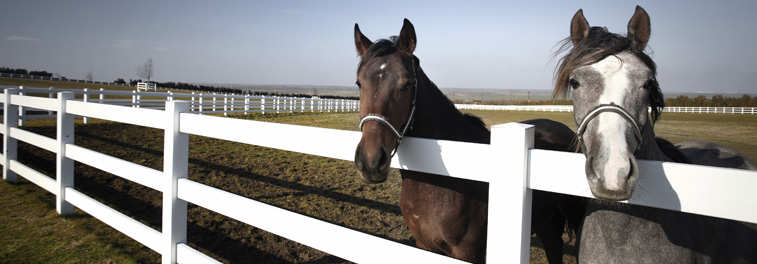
{"points": [[569, 108], [510, 165], [199, 102], [146, 86], [712, 110]]}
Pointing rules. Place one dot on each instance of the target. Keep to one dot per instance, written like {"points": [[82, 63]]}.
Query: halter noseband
{"points": [[612, 107], [385, 121]]}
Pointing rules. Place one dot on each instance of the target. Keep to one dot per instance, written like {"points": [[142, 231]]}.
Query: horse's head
{"points": [[387, 83], [613, 84]]}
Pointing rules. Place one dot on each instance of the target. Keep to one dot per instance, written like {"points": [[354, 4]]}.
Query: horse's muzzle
{"points": [[373, 167]]}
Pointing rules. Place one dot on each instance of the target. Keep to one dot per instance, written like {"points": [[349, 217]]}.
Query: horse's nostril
{"points": [[359, 159], [382, 159]]}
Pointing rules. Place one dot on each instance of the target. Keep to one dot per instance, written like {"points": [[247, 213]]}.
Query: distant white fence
{"points": [[712, 110], [510, 165], [569, 108], [146, 86], [201, 103]]}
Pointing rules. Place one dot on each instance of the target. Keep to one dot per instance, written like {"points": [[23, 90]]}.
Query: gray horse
{"points": [[613, 82]]}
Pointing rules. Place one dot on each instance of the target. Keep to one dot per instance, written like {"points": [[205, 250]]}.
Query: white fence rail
{"points": [[201, 103], [569, 108], [509, 164]]}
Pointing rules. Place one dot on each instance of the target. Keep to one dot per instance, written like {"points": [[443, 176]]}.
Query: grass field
{"points": [[323, 188]]}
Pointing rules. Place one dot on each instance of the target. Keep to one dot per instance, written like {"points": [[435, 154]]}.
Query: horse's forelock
{"points": [[381, 47]]}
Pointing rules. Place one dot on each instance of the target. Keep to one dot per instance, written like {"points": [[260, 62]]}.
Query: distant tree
{"points": [[90, 76], [14, 71], [119, 81], [146, 70]]}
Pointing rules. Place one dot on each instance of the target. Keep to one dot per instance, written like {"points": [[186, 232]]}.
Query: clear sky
{"points": [[699, 46]]}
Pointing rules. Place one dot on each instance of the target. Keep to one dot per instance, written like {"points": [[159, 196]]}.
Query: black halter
{"points": [[384, 121], [613, 108]]}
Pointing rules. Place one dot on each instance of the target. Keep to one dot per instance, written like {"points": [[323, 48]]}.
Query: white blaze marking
{"points": [[612, 127], [381, 75]]}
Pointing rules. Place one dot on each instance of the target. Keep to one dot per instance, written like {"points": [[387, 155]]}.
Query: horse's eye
{"points": [[407, 86], [574, 84], [358, 84], [650, 84]]}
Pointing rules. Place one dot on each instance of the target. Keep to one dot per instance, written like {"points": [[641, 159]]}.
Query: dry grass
{"points": [[319, 187], [736, 131]]}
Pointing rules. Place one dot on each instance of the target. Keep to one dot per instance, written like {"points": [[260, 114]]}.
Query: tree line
{"points": [[182, 86], [25, 72], [714, 101]]}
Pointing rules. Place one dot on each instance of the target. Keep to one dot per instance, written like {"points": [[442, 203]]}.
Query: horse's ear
{"points": [[406, 40], [579, 27], [639, 28], [362, 43]]}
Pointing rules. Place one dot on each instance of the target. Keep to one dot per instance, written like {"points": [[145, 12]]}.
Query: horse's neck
{"points": [[437, 118], [649, 149]]}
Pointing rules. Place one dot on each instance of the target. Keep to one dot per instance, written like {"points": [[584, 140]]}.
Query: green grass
{"points": [[33, 232], [323, 188]]}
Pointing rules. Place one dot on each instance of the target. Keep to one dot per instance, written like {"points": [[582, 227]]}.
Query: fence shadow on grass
{"points": [[330, 193]]}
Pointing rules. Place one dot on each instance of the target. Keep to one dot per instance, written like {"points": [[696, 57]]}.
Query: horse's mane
{"points": [[671, 151], [598, 45]]}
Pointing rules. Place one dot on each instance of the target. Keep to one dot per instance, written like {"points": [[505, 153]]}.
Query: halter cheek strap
{"points": [[385, 121], [613, 108]]}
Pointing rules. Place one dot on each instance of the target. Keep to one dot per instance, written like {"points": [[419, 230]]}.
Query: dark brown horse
{"points": [[445, 214]]}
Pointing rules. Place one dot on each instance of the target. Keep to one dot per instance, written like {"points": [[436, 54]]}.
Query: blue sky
{"points": [[699, 46]]}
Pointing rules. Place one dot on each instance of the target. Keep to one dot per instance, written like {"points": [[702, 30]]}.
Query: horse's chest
{"points": [[426, 206]]}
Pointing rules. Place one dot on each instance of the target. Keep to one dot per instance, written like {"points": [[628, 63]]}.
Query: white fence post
{"points": [[64, 168], [51, 95], [10, 145], [200, 103], [509, 223], [86, 99], [192, 108], [213, 108], [246, 103], [225, 104], [175, 167], [22, 110], [262, 104]]}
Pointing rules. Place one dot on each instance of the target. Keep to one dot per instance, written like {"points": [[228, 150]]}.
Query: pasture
{"points": [[319, 187]]}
